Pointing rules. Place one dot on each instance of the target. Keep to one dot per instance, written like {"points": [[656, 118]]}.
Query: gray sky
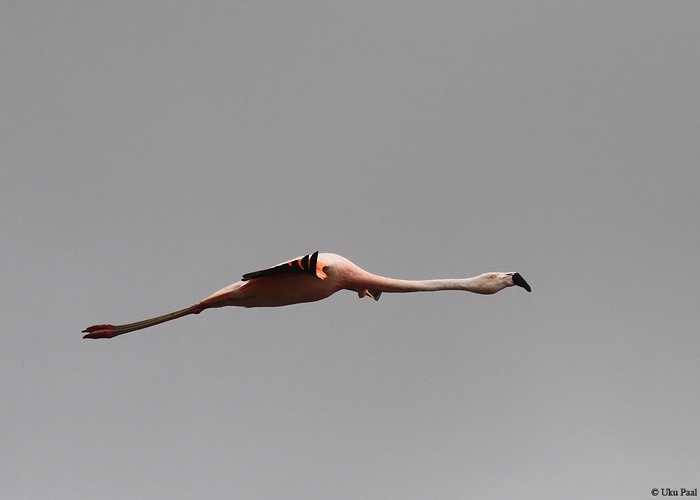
{"points": [[152, 153]]}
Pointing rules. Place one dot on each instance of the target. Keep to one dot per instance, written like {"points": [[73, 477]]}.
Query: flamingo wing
{"points": [[303, 265]]}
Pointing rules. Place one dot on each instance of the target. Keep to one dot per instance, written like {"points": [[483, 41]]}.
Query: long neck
{"points": [[392, 285]]}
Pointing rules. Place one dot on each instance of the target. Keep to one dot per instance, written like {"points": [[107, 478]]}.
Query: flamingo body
{"points": [[311, 278]]}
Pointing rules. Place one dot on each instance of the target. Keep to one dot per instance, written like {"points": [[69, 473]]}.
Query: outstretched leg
{"points": [[109, 331]]}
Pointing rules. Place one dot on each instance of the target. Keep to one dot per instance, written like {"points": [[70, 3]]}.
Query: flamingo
{"points": [[311, 278]]}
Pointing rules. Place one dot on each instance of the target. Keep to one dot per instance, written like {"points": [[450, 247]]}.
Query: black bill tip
{"points": [[520, 281]]}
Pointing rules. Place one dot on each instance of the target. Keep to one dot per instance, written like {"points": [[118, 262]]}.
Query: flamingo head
{"points": [[495, 282]]}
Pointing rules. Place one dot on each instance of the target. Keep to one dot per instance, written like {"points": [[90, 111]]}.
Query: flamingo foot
{"points": [[100, 332]]}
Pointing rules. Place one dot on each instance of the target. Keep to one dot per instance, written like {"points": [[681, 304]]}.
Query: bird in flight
{"points": [[311, 278]]}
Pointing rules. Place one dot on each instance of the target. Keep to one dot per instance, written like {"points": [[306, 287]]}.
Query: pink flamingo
{"points": [[311, 278]]}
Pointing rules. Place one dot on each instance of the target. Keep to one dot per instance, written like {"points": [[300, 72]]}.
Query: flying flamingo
{"points": [[311, 278]]}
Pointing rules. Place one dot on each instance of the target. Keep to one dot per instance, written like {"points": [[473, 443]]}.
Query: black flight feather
{"points": [[305, 265]]}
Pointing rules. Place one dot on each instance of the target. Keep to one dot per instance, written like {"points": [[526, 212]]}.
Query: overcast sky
{"points": [[151, 153]]}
